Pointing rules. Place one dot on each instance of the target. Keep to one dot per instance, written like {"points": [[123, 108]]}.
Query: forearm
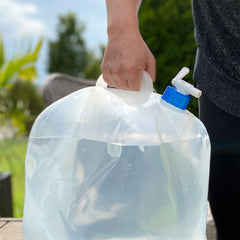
{"points": [[122, 15], [126, 54]]}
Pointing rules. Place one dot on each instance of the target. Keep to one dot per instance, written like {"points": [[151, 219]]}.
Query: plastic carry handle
{"points": [[100, 82], [146, 82]]}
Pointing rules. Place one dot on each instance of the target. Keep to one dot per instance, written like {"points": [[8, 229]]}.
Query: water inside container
{"points": [[117, 192]]}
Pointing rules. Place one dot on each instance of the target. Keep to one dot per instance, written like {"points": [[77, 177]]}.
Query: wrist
{"points": [[123, 25], [122, 16]]}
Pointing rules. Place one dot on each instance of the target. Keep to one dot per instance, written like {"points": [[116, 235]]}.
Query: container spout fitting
{"points": [[183, 86]]}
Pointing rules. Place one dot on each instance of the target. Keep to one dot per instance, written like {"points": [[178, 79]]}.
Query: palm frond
{"points": [[28, 74], [2, 56], [31, 55], [21, 66], [8, 71]]}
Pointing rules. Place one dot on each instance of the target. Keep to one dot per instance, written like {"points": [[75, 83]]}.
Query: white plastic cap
{"points": [[183, 86]]}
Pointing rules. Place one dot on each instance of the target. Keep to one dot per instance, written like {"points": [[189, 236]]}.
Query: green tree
{"points": [[21, 104], [167, 28], [68, 54]]}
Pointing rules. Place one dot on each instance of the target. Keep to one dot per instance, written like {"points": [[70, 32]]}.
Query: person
{"points": [[217, 74]]}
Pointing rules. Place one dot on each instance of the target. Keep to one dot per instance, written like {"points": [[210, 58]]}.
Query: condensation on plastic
{"points": [[109, 164]]}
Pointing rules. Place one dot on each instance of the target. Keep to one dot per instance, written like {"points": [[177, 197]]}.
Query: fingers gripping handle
{"points": [[146, 82]]}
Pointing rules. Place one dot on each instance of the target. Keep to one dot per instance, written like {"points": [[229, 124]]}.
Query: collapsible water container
{"points": [[110, 164]]}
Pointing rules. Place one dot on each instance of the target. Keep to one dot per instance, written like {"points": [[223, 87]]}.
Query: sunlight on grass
{"points": [[12, 159]]}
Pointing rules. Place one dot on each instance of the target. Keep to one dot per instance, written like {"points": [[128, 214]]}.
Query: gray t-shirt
{"points": [[217, 68]]}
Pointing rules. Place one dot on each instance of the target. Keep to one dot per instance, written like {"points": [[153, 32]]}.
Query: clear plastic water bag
{"points": [[110, 164]]}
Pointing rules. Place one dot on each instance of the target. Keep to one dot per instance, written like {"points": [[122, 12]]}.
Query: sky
{"points": [[26, 21]]}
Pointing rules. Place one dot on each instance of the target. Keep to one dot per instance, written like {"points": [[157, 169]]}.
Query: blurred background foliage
{"points": [[20, 103], [68, 53], [20, 66]]}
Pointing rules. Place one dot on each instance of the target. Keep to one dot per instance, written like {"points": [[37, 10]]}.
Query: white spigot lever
{"points": [[183, 86]]}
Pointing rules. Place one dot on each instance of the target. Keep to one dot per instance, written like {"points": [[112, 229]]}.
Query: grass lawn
{"points": [[12, 159]]}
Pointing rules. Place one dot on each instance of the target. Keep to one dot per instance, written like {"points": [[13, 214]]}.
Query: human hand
{"points": [[125, 57]]}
